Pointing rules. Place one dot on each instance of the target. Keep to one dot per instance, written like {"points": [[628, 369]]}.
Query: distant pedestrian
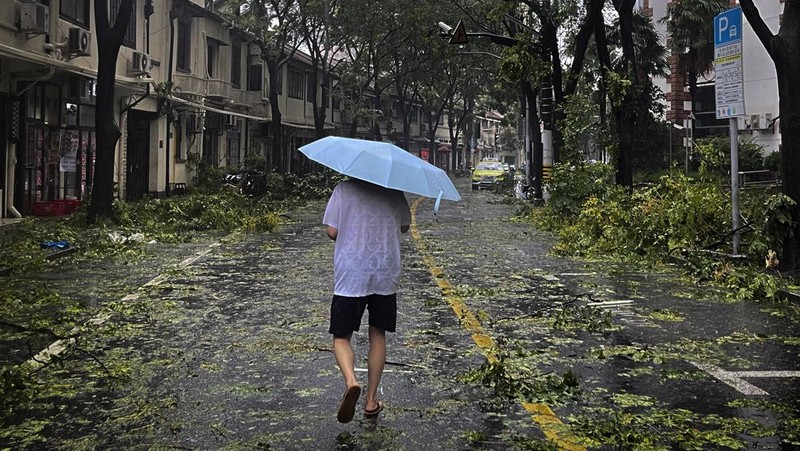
{"points": [[366, 222]]}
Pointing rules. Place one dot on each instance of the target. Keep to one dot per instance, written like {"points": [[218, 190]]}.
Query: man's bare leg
{"points": [[345, 357], [375, 364]]}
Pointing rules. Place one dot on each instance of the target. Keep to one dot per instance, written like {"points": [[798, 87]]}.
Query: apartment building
{"points": [[760, 121], [191, 89]]}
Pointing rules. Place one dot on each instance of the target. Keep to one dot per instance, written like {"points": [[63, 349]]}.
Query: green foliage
{"points": [[570, 185], [256, 162], [772, 161], [618, 88], [208, 178], [172, 219], [772, 222], [715, 156], [580, 127], [584, 318], [13, 384], [511, 377], [659, 428], [518, 64], [676, 214]]}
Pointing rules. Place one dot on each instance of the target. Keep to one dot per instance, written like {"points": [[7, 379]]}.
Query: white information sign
{"points": [[728, 64]]}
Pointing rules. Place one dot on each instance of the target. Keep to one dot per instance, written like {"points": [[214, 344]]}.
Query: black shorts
{"points": [[346, 313]]}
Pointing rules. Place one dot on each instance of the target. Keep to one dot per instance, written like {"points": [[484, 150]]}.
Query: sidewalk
{"points": [[225, 346]]}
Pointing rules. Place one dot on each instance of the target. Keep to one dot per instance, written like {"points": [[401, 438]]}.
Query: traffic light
{"points": [[497, 136]]}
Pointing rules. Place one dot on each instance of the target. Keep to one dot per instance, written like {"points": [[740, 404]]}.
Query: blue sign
{"points": [[728, 27]]}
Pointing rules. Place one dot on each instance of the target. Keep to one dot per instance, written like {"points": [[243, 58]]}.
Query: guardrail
{"points": [[759, 179]]}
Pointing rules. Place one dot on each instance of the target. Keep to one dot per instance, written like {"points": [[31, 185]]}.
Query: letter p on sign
{"points": [[728, 26]]}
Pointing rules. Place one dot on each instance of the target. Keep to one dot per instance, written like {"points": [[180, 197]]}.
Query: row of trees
{"points": [[593, 53]]}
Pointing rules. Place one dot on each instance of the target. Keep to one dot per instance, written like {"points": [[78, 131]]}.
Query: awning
{"points": [[304, 126], [35, 58], [202, 106]]}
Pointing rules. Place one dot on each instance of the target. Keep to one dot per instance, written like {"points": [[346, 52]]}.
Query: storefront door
{"points": [[137, 173]]}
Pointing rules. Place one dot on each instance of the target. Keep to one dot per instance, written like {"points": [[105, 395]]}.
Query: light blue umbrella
{"points": [[383, 164]]}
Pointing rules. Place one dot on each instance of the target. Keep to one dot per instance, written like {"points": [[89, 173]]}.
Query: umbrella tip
{"points": [[437, 203]]}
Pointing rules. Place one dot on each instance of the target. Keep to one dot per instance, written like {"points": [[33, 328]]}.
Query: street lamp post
{"points": [[671, 126]]}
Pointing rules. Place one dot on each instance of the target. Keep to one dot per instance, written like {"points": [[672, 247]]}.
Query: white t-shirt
{"points": [[366, 256]]}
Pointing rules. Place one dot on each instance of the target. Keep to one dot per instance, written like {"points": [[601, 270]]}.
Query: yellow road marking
{"points": [[468, 320], [541, 413]]}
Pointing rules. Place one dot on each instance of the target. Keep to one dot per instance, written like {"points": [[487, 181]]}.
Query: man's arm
{"points": [[331, 232]]}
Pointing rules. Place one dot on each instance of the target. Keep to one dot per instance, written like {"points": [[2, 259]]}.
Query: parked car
{"points": [[487, 175]]}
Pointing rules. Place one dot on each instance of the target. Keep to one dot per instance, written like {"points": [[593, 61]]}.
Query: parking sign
{"points": [[729, 86]]}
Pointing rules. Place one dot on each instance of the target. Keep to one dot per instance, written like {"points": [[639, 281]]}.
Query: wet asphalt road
{"points": [[229, 349]]}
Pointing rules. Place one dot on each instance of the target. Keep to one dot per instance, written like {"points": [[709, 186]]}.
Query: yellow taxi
{"points": [[487, 174]]}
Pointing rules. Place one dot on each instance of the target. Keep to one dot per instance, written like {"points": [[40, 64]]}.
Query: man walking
{"points": [[366, 222]]}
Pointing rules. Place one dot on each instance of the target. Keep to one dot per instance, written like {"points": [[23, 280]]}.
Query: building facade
{"points": [[191, 90]]}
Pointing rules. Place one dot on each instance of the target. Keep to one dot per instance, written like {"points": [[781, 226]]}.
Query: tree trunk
{"points": [[277, 148], [784, 48], [624, 116], [107, 132], [320, 107], [789, 109], [376, 127]]}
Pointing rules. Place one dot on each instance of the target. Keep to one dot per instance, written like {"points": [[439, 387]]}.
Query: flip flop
{"points": [[347, 408], [374, 412]]}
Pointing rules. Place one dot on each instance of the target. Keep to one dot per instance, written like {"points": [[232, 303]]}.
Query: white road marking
{"points": [[736, 378], [609, 303]]}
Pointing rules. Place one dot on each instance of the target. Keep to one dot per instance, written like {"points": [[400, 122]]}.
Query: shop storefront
{"points": [[57, 145]]}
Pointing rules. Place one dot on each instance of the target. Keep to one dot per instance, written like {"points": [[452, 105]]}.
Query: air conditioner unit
{"points": [[140, 65], [760, 121], [743, 122], [33, 17], [80, 42]]}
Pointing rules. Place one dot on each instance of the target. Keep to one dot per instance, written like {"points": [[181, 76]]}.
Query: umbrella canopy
{"points": [[383, 164]]}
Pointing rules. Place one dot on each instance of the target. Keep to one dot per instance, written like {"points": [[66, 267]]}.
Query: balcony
{"points": [[248, 98], [219, 90], [187, 85]]}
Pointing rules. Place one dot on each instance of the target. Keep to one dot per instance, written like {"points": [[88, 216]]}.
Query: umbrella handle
{"points": [[438, 201]]}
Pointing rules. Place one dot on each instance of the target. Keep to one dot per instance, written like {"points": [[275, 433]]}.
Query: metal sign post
{"points": [[729, 90]]}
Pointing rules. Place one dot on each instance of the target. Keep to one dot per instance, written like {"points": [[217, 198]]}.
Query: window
{"points": [[130, 33], [76, 11], [297, 82], [211, 59], [236, 64], [184, 44], [255, 77], [310, 86]]}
